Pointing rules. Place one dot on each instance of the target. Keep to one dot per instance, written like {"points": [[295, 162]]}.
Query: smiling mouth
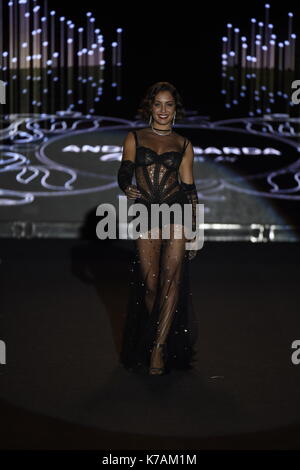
{"points": [[162, 116]]}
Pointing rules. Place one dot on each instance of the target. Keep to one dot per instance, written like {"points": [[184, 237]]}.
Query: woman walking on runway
{"points": [[161, 328]]}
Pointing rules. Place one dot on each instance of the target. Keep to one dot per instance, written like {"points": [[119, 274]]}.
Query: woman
{"points": [[160, 330]]}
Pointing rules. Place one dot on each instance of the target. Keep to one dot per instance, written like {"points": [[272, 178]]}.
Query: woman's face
{"points": [[163, 108]]}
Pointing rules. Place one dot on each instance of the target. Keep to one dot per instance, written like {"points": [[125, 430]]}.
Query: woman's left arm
{"points": [[187, 179], [189, 187]]}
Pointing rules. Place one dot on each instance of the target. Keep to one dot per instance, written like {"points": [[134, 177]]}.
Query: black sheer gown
{"points": [[160, 307]]}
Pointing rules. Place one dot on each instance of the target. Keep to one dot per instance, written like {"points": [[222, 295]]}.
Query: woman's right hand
{"points": [[132, 192]]}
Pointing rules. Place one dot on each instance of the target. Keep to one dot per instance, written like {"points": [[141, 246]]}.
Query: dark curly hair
{"points": [[144, 110]]}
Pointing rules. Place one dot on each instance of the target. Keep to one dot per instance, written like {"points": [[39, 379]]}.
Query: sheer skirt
{"points": [[160, 307]]}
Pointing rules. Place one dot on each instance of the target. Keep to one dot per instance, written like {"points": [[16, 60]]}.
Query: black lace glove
{"points": [[191, 192], [125, 174]]}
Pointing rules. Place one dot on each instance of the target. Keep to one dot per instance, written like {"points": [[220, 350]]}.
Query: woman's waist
{"points": [[156, 197]]}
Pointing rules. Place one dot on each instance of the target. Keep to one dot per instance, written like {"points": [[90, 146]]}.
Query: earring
{"points": [[174, 118], [150, 120]]}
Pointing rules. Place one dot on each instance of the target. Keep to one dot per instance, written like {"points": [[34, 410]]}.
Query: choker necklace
{"points": [[154, 130]]}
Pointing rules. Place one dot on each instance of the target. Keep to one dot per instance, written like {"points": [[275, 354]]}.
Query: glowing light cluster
{"points": [[50, 64], [260, 67]]}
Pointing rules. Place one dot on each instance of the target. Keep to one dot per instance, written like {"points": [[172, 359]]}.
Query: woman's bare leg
{"points": [[149, 256], [173, 253]]}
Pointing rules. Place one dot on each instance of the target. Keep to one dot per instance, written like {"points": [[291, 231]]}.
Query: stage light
{"points": [[257, 61], [68, 63]]}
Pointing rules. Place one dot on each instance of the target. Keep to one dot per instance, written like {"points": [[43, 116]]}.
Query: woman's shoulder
{"points": [[183, 139]]}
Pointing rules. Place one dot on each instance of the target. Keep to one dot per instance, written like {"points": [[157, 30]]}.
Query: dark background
{"points": [[176, 42]]}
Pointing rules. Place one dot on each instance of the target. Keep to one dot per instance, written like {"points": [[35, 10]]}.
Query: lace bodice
{"points": [[156, 168], [157, 163]]}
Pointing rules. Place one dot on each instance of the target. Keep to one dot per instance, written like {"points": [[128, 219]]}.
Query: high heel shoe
{"points": [[158, 370]]}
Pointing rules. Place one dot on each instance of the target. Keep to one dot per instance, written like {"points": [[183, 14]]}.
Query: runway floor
{"points": [[62, 386]]}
